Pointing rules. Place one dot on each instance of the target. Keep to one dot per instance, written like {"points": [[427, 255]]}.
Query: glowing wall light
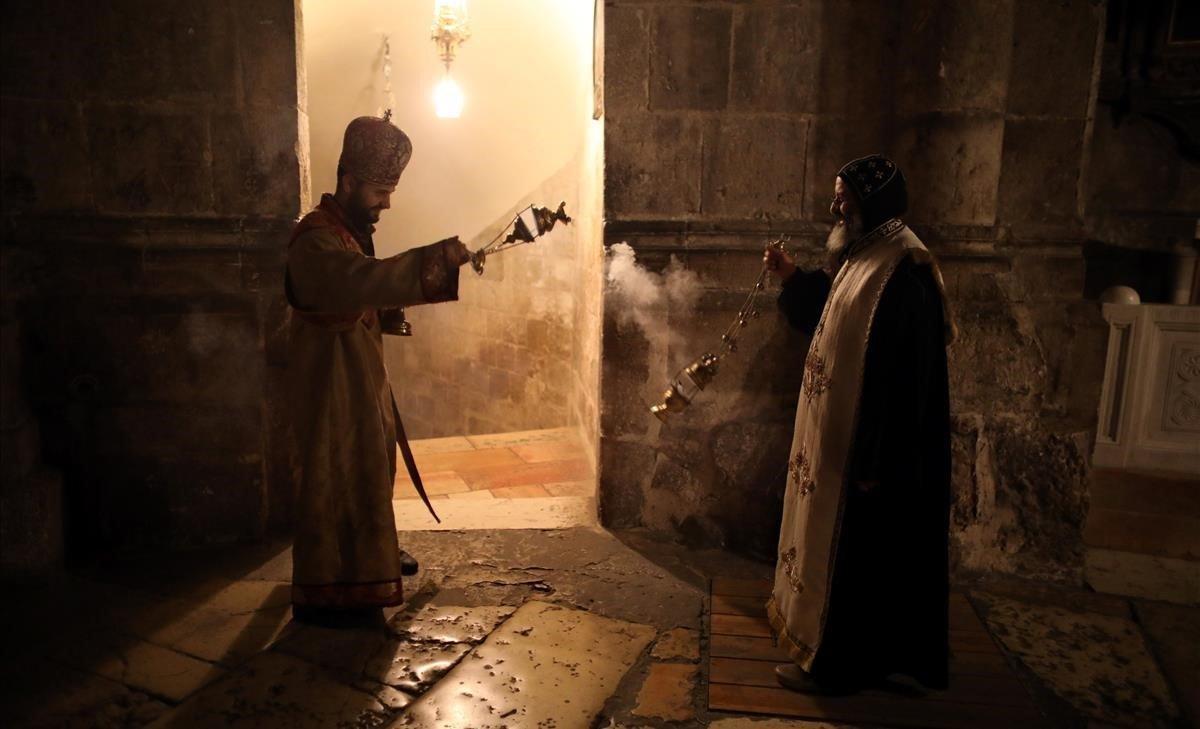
{"points": [[448, 99], [450, 30]]}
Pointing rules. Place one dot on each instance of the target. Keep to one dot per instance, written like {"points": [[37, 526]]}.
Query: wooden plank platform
{"points": [[983, 693]]}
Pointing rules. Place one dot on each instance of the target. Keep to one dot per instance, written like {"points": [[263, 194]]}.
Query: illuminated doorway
{"points": [[499, 390]]}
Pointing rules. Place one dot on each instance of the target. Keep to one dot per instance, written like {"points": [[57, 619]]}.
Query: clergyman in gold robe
{"points": [[861, 583], [347, 563]]}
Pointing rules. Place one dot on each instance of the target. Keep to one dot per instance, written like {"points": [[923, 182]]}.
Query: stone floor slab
{"points": [[678, 643], [546, 666], [522, 437], [276, 690], [450, 444], [1097, 663], [414, 667], [1143, 575], [550, 512], [667, 691], [449, 623], [222, 637], [580, 567], [743, 722], [349, 654], [47, 696], [1174, 633], [151, 668]]}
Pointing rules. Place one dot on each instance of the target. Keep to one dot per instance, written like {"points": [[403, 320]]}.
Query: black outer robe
{"points": [[888, 601]]}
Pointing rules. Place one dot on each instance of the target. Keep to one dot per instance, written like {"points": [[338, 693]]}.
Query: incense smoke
{"points": [[640, 295]]}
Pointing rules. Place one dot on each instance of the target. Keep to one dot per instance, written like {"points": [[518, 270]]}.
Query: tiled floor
{"points": [[526, 464]]}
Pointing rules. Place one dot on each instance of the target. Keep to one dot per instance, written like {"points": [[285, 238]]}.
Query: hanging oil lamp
{"points": [[695, 376]]}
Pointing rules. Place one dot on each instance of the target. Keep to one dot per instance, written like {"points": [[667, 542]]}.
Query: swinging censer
{"points": [[696, 376], [530, 224]]}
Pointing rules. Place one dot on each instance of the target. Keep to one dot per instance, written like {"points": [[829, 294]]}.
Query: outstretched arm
{"points": [[324, 276]]}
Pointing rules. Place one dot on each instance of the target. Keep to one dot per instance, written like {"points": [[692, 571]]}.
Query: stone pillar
{"points": [[153, 164]]}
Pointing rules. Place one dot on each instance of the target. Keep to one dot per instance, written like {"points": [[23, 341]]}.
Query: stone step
{"points": [[1147, 492], [1143, 575], [1155, 534]]}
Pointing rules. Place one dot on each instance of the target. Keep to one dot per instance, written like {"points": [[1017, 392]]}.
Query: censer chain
{"points": [[748, 310]]}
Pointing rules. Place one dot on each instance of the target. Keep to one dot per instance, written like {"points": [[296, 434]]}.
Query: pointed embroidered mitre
{"points": [[374, 150]]}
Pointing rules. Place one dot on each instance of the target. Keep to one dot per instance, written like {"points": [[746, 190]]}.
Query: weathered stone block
{"points": [[1052, 71], [625, 470], [1039, 178], [1029, 501], [1045, 279], [182, 53], [953, 55], [44, 158], [179, 432], [626, 59], [31, 523], [1074, 337], [22, 451], [255, 169], [25, 48], [652, 165], [997, 364], [1124, 158], [689, 57], [776, 57], [269, 75], [755, 168], [834, 141], [169, 358], [163, 166], [182, 272], [855, 36], [181, 500], [952, 163]]}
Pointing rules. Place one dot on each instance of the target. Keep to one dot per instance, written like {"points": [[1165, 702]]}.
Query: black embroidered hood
{"points": [[880, 186]]}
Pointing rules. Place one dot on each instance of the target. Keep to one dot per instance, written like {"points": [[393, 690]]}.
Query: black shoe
{"points": [[408, 565], [791, 676]]}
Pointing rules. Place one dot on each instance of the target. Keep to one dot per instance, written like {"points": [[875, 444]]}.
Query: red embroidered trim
{"points": [[350, 595]]}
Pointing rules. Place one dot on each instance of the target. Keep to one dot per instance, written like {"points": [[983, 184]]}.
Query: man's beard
{"points": [[361, 216], [845, 232]]}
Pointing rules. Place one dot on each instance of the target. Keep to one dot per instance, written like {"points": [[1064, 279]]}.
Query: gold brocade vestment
{"points": [[826, 421], [346, 552]]}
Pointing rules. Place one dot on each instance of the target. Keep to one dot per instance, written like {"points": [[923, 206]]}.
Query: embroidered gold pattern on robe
{"points": [[815, 380], [791, 568], [801, 471]]}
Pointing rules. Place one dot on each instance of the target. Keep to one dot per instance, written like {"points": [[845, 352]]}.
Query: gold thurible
{"points": [[529, 224], [696, 376], [690, 380]]}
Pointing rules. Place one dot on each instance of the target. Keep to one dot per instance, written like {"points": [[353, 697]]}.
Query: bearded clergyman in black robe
{"points": [[861, 585]]}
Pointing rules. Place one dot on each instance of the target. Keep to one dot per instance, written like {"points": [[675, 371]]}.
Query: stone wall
{"points": [[726, 123], [520, 349], [1143, 196], [500, 359], [152, 166]]}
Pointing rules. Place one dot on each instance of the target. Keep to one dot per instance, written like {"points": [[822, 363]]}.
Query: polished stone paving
{"points": [[571, 627]]}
